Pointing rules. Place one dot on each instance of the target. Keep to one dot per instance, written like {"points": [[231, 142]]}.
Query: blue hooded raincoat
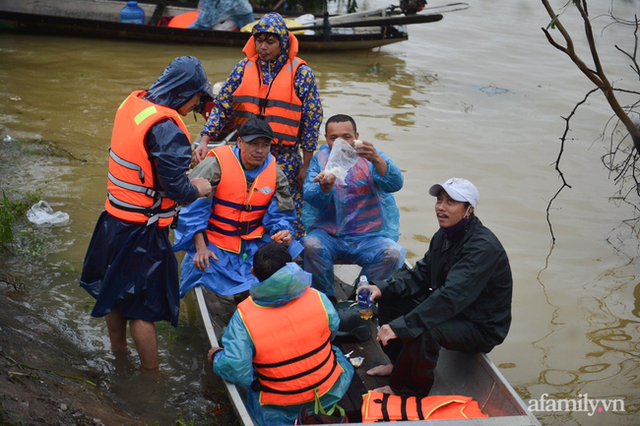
{"points": [[131, 267], [235, 362]]}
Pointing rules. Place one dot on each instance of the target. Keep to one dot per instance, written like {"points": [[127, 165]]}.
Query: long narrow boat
{"points": [[101, 19], [457, 373]]}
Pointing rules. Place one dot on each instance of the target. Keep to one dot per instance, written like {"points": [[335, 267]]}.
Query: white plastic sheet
{"points": [[41, 213], [341, 159]]}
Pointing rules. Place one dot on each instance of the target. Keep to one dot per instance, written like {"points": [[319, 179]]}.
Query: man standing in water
{"points": [[130, 268], [458, 296], [272, 83]]}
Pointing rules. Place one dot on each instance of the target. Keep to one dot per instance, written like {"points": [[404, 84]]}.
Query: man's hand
{"points": [[214, 350], [385, 334], [282, 237], [203, 186], [326, 181], [201, 151], [367, 151], [374, 291], [201, 258]]}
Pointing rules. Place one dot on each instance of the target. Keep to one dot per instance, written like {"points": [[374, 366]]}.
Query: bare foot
{"points": [[385, 389], [381, 370]]}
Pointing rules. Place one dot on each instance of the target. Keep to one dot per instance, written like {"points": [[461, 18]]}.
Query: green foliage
{"points": [[10, 212]]}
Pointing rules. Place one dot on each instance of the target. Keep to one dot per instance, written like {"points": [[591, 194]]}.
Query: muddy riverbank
{"points": [[40, 380]]}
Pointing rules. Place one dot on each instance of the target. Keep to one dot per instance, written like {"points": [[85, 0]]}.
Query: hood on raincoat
{"points": [[273, 23], [287, 284], [179, 82]]}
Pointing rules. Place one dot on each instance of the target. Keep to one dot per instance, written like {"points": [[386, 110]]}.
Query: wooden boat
{"points": [[457, 373], [101, 19]]}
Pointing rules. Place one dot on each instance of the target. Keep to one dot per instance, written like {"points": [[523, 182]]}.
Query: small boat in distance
{"points": [[101, 19], [457, 373]]}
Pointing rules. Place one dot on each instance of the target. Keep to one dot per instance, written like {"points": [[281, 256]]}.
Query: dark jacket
{"points": [[465, 277]]}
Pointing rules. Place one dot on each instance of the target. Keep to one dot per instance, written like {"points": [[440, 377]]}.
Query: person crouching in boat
{"points": [[129, 267], [458, 296], [278, 343], [251, 205]]}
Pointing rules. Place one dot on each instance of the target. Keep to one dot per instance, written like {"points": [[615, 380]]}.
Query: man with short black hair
{"points": [[357, 220], [251, 205]]}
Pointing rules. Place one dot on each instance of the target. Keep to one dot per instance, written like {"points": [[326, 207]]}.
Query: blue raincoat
{"points": [[131, 267], [333, 222], [231, 273], [235, 362]]}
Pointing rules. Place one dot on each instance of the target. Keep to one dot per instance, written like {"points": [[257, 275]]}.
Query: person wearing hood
{"points": [[130, 268], [274, 84], [458, 296], [278, 343]]}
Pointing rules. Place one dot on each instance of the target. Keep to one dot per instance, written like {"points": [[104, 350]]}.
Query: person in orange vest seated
{"points": [[129, 267], [272, 83], [356, 220], [211, 12], [251, 205], [278, 343], [457, 296]]}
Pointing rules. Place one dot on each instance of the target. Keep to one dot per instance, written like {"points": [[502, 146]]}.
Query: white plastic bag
{"points": [[41, 213], [341, 159]]}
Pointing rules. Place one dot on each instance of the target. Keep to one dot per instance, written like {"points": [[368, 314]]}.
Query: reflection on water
{"points": [[478, 95]]}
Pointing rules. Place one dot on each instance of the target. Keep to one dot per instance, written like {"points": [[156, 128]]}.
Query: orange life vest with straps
{"points": [[237, 211], [294, 357], [382, 407], [132, 192], [277, 102]]}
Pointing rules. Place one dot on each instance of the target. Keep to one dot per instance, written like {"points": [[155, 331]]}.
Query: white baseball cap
{"points": [[459, 189]]}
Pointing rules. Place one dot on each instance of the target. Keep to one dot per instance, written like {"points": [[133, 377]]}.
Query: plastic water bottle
{"points": [[132, 13], [363, 298]]}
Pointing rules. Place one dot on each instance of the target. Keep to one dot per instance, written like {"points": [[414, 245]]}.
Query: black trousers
{"points": [[414, 360]]}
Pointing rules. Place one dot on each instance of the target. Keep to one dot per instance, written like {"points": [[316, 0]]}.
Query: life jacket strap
{"points": [[154, 212], [149, 192], [127, 164]]}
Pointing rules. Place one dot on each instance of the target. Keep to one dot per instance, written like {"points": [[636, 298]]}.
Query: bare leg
{"points": [[117, 328], [381, 370], [144, 336]]}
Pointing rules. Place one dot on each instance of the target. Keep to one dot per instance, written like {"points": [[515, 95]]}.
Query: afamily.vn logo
{"points": [[582, 403]]}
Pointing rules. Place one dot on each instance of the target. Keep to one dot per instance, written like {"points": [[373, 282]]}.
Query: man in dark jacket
{"points": [[458, 296]]}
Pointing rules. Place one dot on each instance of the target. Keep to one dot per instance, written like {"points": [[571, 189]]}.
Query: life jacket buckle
{"points": [[243, 228]]}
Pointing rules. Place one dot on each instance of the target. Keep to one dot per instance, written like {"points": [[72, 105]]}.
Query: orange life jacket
{"points": [[377, 407], [237, 211], [293, 349], [277, 102], [132, 192]]}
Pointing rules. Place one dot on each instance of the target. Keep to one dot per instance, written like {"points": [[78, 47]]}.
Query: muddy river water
{"points": [[478, 95]]}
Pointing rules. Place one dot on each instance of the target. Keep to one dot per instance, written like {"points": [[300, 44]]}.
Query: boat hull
{"points": [[456, 373], [100, 19]]}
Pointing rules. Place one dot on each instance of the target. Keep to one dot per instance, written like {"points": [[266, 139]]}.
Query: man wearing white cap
{"points": [[458, 296]]}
